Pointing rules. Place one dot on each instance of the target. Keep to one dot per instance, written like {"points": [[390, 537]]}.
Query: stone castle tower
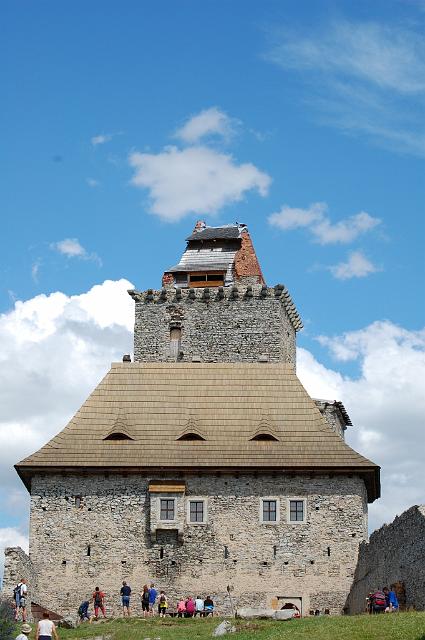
{"points": [[203, 465]]}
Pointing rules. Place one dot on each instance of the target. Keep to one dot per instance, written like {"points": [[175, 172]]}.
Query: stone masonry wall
{"points": [[230, 324], [395, 553], [104, 537], [17, 565]]}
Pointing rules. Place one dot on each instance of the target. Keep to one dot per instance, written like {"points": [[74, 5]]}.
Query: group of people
{"points": [[152, 601], [46, 630], [384, 601]]}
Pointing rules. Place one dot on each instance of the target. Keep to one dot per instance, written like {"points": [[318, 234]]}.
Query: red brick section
{"points": [[167, 279], [246, 261]]}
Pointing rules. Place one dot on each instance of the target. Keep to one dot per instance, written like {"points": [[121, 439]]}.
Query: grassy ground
{"points": [[401, 626]]}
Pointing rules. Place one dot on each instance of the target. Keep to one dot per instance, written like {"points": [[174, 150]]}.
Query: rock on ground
{"points": [[223, 628]]}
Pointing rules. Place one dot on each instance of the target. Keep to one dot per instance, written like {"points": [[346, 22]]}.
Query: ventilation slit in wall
{"points": [[226, 552], [329, 551], [161, 553], [89, 550], [274, 551]]}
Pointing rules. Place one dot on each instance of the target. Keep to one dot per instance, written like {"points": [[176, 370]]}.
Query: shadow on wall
{"points": [[393, 556]]}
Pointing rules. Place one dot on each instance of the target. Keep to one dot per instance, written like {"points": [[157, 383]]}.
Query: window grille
{"points": [[167, 509]]}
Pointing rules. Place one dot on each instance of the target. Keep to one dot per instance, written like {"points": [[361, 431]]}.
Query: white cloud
{"points": [[386, 404], [92, 182], [319, 225], [181, 182], [363, 76], [71, 248], [210, 122], [357, 266], [103, 138]]}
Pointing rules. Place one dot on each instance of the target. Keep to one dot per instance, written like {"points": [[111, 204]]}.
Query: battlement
{"points": [[238, 323]]}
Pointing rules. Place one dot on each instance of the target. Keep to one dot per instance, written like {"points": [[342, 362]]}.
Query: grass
{"points": [[400, 626]]}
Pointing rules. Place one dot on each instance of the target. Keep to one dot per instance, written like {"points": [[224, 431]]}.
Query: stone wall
{"points": [[17, 565], [95, 530], [229, 324], [395, 553]]}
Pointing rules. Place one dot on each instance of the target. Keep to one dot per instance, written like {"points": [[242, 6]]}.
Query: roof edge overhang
{"points": [[370, 474]]}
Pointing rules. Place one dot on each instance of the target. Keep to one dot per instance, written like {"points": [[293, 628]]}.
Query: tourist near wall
{"points": [[395, 553]]}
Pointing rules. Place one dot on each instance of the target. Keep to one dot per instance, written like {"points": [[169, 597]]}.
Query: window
{"points": [[264, 437], [175, 342], [296, 510], [197, 511], [191, 435], [203, 279], [269, 510], [167, 509], [118, 435]]}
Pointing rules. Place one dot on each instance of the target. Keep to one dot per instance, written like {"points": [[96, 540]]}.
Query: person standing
{"points": [[98, 602], [125, 598], [145, 600], [20, 595], [162, 604], [25, 631], [46, 629], [152, 599]]}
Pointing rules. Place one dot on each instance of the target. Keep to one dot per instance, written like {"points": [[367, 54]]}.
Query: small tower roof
{"points": [[226, 253]]}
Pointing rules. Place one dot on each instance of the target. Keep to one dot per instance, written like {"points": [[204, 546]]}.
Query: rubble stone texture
{"points": [[394, 553]]}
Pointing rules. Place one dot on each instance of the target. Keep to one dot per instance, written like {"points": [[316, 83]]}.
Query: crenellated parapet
{"points": [[220, 294], [237, 323]]}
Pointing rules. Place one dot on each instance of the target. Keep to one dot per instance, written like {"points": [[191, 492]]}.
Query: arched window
{"points": [[191, 436], [118, 435], [264, 437]]}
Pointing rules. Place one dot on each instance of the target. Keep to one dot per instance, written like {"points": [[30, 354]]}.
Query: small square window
{"points": [[196, 511], [167, 509], [269, 511], [296, 511]]}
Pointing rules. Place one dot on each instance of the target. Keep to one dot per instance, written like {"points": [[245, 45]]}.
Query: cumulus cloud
{"points": [[318, 223], [181, 182], [357, 266], [71, 248], [386, 404], [210, 122], [362, 77]]}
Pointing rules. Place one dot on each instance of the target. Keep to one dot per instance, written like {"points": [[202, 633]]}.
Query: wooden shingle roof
{"points": [[155, 402]]}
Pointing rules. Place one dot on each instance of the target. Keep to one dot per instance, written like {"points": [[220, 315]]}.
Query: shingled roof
{"points": [[156, 402], [226, 232]]}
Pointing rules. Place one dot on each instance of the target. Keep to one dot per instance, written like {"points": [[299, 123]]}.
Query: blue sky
{"points": [[126, 122]]}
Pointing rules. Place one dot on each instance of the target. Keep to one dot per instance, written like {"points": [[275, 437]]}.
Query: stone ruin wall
{"points": [[236, 324], [395, 553], [17, 565], [315, 560]]}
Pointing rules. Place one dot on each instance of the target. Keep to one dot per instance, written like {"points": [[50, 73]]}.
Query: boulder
{"points": [[68, 622], [285, 614], [252, 613], [223, 628]]}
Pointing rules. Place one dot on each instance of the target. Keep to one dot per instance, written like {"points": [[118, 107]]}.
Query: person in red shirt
{"points": [[98, 602], [190, 607]]}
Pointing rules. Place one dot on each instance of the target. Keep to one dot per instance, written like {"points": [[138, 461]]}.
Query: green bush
{"points": [[7, 621]]}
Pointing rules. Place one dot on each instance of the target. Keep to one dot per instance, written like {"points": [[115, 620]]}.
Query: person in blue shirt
{"points": [[125, 597], [152, 598], [391, 600]]}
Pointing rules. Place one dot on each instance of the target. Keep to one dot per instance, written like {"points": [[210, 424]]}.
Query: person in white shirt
{"points": [[25, 630], [199, 606], [46, 629]]}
